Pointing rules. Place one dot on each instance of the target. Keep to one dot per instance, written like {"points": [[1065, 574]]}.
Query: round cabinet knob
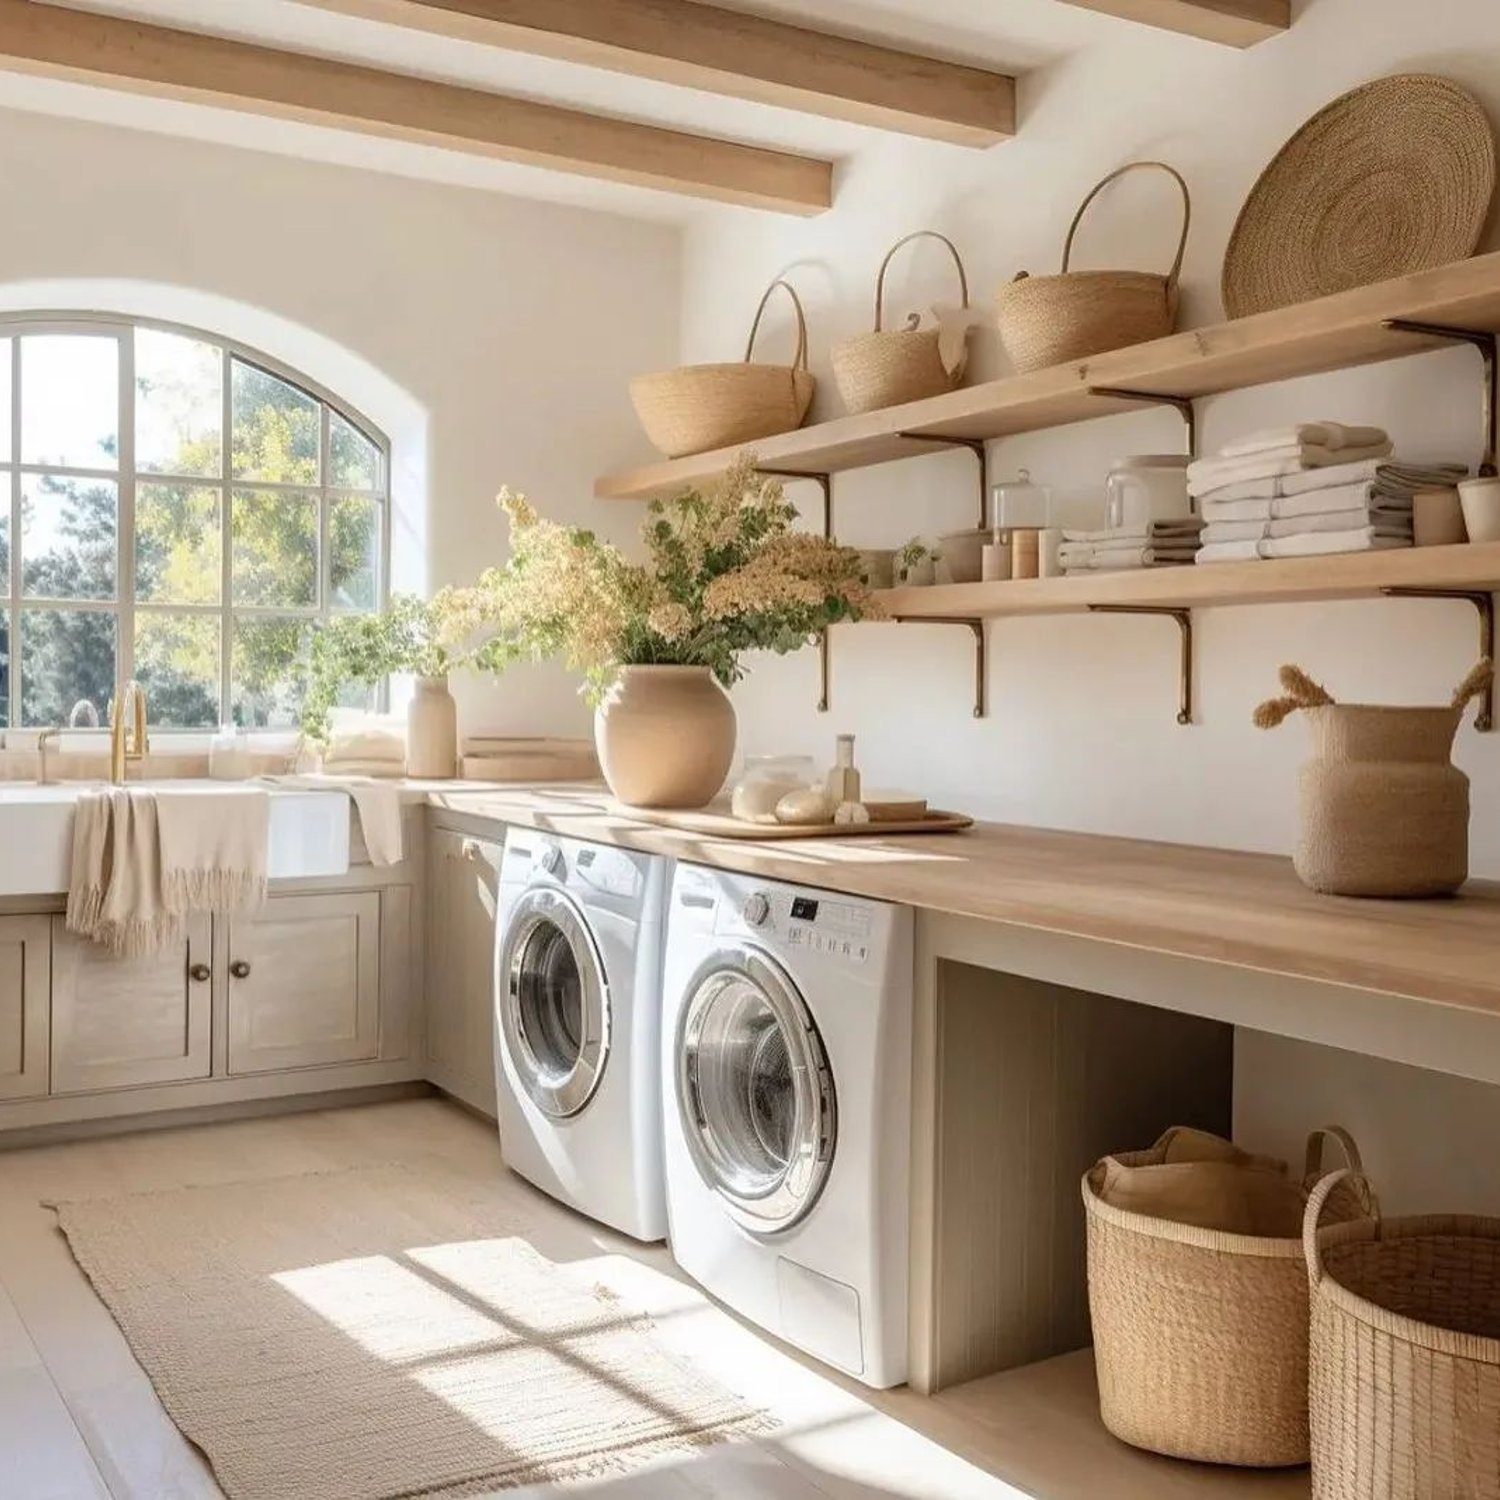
{"points": [[240, 969], [756, 909], [550, 860], [201, 973]]}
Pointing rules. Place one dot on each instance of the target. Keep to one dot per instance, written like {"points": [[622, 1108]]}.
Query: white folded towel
{"points": [[1178, 528], [1133, 557], [1395, 522], [1308, 544], [1312, 503], [1331, 435], [213, 848], [1209, 474], [1392, 478]]}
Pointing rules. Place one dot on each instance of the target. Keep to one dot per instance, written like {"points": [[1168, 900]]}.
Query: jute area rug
{"points": [[380, 1332]]}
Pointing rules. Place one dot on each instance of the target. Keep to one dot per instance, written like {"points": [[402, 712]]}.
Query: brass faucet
{"points": [[124, 746]]}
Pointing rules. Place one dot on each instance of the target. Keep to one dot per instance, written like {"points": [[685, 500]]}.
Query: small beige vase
{"points": [[665, 736], [432, 731], [1385, 812]]}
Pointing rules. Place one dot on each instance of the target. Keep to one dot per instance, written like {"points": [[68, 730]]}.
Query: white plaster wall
{"points": [[490, 337], [1081, 732]]}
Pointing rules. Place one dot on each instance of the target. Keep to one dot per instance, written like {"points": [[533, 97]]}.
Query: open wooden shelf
{"points": [[1331, 333], [1473, 567]]}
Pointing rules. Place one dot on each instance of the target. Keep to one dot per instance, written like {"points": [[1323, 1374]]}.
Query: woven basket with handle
{"points": [[695, 408], [1405, 1361], [1200, 1334], [889, 366], [1053, 320]]}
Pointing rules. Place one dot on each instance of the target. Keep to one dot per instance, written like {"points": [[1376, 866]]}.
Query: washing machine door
{"points": [[755, 1091], [554, 1002]]}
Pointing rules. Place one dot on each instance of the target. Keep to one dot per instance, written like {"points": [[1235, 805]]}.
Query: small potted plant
{"points": [[658, 641], [916, 563]]}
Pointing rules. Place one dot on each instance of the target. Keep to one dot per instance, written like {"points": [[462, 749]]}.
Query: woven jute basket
{"points": [[1405, 1355], [889, 366], [1053, 320], [1393, 177], [1200, 1335], [699, 407]]}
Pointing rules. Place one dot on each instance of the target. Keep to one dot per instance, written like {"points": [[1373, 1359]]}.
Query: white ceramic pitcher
{"points": [[1149, 487]]}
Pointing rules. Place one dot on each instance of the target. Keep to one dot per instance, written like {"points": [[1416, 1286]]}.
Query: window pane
{"points": [[268, 671], [5, 394], [177, 662], [353, 460], [4, 669], [179, 404], [67, 537], [70, 400], [4, 534], [178, 544], [354, 552], [276, 428], [66, 654], [275, 538]]}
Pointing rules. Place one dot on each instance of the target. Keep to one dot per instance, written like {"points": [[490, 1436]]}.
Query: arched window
{"points": [[177, 509]]}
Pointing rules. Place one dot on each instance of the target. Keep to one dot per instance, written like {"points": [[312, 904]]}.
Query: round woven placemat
{"points": [[1393, 177]]}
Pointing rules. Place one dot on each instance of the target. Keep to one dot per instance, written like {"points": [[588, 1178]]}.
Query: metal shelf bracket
{"points": [[1484, 604], [981, 653], [825, 655], [1184, 618], [979, 448], [1488, 345], [1182, 405]]}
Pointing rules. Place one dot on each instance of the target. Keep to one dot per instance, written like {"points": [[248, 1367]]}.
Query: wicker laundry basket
{"points": [[1405, 1356], [1053, 320], [696, 408], [1200, 1335], [889, 366]]}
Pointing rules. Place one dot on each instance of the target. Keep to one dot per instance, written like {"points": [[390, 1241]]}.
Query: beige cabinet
{"points": [[25, 962], [122, 1022], [303, 978], [463, 882]]}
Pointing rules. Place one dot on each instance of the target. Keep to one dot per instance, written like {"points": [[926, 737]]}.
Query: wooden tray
{"points": [[715, 823]]}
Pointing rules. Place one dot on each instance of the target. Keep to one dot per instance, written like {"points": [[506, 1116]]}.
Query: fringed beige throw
{"points": [[213, 848], [381, 1332], [115, 888]]}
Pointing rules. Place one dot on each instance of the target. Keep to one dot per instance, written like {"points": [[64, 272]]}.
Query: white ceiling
{"points": [[1020, 34]]}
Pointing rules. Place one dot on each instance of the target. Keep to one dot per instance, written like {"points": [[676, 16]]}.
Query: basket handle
{"points": [[906, 239], [1187, 214], [1313, 1167], [799, 359], [1312, 1215]]}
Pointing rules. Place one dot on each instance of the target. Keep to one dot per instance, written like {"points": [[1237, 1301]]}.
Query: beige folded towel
{"points": [[114, 888], [1331, 435], [1206, 475], [213, 848], [376, 803]]}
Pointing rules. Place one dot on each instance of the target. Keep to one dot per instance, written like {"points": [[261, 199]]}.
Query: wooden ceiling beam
{"points": [[1235, 23], [85, 47], [728, 52]]}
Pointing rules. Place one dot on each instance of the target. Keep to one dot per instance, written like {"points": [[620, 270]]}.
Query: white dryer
{"points": [[577, 1025], [786, 1080]]}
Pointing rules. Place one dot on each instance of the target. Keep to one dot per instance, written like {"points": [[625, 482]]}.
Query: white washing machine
{"points": [[786, 1083], [578, 1025]]}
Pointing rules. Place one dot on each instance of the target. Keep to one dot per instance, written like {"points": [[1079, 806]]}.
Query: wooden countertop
{"points": [[1247, 910]]}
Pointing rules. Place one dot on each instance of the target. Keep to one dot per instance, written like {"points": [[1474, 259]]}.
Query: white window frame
{"points": [[13, 603]]}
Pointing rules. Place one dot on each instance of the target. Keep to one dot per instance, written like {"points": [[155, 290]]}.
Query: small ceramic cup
{"points": [[1049, 552], [1437, 518], [1480, 499], [1024, 553], [995, 560]]}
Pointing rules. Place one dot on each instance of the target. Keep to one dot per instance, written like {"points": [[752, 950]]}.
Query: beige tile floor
{"points": [[78, 1417]]}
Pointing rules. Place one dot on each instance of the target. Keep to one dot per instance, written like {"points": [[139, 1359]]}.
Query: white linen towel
{"points": [[1179, 528], [377, 804], [1108, 560], [1394, 522], [114, 885], [213, 848], [1392, 478], [1331, 435], [1209, 474], [1309, 544], [1314, 503]]}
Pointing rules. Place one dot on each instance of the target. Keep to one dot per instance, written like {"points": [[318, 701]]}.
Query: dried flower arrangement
{"points": [[724, 573]]}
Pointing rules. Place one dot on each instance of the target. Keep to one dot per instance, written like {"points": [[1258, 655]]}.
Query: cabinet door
{"points": [[117, 1022], [463, 888], [25, 981], [304, 983]]}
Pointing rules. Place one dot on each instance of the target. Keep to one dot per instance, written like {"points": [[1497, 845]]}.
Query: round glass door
{"points": [[755, 1092], [554, 1005]]}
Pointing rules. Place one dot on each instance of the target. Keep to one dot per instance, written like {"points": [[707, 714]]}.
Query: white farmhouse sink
{"points": [[309, 833]]}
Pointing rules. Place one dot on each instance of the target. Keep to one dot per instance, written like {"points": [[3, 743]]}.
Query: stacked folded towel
{"points": [[1160, 544], [1308, 491]]}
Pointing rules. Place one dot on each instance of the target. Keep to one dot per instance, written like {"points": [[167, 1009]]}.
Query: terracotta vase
{"points": [[432, 731], [665, 736], [1385, 812]]}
